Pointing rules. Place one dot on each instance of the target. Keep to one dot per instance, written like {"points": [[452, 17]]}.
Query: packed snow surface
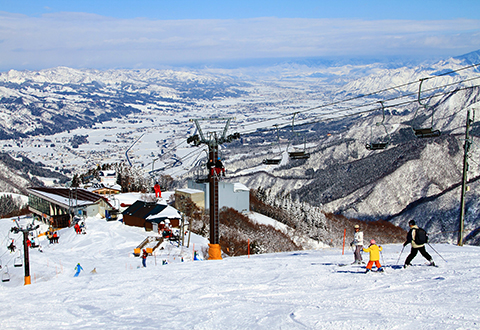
{"points": [[292, 290]]}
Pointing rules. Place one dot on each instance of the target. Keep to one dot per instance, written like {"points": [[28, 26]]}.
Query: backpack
{"points": [[421, 236]]}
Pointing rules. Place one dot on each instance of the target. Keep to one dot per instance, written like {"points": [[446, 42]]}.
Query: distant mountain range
{"points": [[56, 100], [411, 179]]}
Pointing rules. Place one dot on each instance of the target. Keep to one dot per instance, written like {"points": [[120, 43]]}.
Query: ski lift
{"points": [[275, 160], [5, 275], [426, 132], [379, 145], [301, 154], [201, 171], [17, 262]]}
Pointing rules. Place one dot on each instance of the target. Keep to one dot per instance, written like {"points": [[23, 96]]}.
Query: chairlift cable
{"points": [[365, 105], [374, 93]]}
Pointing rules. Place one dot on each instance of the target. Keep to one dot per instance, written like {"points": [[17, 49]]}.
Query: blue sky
{"points": [[155, 33]]}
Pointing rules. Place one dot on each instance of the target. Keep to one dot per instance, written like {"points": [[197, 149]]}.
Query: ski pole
{"points": [[400, 254], [436, 252], [383, 261]]}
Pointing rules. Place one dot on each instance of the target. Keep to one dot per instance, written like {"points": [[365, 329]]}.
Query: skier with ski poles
{"points": [[374, 251], [417, 237]]}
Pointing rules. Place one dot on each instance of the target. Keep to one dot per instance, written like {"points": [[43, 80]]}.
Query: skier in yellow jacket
{"points": [[374, 251]]}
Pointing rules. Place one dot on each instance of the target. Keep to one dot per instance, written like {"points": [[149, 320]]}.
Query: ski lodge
{"points": [[151, 215], [57, 206]]}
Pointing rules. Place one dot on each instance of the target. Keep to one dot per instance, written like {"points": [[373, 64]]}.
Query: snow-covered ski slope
{"points": [[295, 290]]}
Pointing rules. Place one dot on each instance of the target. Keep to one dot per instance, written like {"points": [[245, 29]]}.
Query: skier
{"points": [[78, 269], [144, 258], [358, 244], [77, 228], [82, 229], [11, 247], [418, 241], [49, 236], [374, 251], [158, 190]]}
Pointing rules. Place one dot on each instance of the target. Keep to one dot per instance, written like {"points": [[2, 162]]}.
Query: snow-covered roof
{"points": [[97, 186], [66, 197], [167, 213], [107, 173], [240, 187], [190, 191]]}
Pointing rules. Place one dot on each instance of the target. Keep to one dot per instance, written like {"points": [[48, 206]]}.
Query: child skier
{"points": [[374, 251]]}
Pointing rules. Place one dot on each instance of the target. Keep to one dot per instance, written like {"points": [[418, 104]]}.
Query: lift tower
{"points": [[25, 231], [213, 141]]}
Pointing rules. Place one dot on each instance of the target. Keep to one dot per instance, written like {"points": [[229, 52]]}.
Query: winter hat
{"points": [[372, 242], [357, 227], [411, 223]]}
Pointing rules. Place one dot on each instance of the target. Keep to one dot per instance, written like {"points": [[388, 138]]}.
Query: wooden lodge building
{"points": [[57, 206], [150, 214]]}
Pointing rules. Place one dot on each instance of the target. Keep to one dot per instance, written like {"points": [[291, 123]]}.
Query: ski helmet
{"points": [[372, 242]]}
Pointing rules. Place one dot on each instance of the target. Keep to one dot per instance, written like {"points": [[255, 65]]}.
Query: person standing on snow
{"points": [[158, 190], [77, 228], [374, 251], [144, 258], [78, 269], [418, 244], [358, 244]]}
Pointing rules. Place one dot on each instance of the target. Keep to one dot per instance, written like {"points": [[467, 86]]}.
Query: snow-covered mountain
{"points": [[341, 176], [411, 179], [60, 99]]}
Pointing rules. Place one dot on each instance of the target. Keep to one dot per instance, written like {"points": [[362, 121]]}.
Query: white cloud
{"points": [[88, 40]]}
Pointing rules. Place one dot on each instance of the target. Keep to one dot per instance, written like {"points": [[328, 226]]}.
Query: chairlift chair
{"points": [[5, 275], [298, 154], [271, 161], [274, 161], [379, 145], [201, 173], [18, 262], [424, 132]]}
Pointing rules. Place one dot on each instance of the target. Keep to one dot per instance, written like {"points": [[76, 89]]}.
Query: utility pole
{"points": [[213, 142], [25, 232], [466, 148]]}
